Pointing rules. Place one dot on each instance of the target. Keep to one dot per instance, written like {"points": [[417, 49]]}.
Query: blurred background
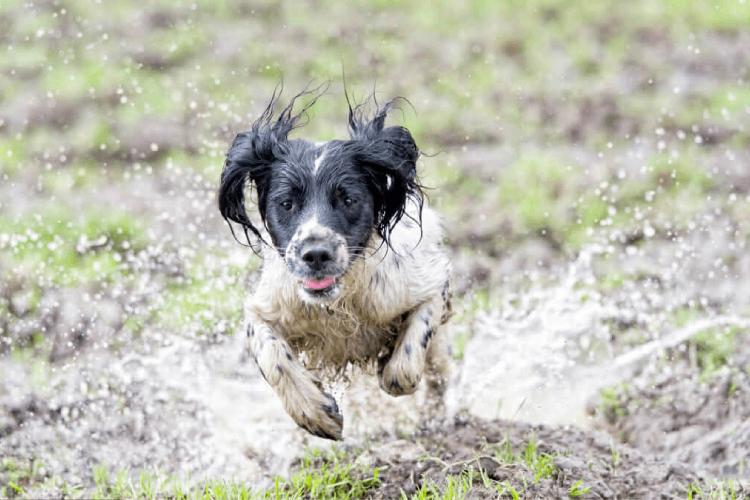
{"points": [[591, 161]]}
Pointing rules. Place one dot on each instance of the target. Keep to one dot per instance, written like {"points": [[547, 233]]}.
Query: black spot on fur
{"points": [[332, 409], [375, 280], [447, 311], [279, 369], [317, 431], [407, 349], [250, 330], [395, 385], [382, 361], [426, 337], [288, 355], [331, 401]]}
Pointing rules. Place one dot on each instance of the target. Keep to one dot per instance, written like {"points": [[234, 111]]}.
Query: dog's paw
{"points": [[400, 375], [319, 415]]}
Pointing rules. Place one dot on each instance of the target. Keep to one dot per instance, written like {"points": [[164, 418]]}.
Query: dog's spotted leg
{"points": [[438, 354], [436, 378], [401, 373], [301, 394]]}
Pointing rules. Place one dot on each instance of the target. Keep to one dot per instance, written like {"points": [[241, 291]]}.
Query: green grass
{"points": [[540, 206], [612, 402], [540, 464], [334, 475], [724, 15], [62, 182], [569, 206], [714, 490], [325, 476], [203, 300], [470, 482], [578, 489], [60, 248], [714, 349], [455, 487], [12, 154], [319, 475], [614, 457], [532, 466], [682, 316], [465, 102], [17, 476], [730, 101]]}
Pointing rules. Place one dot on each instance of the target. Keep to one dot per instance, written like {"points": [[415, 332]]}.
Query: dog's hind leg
{"points": [[300, 392], [401, 373]]}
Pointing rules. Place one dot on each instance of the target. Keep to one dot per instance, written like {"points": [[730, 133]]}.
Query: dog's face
{"points": [[321, 203], [320, 213]]}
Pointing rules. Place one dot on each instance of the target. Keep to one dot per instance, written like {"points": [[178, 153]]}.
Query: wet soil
{"points": [[607, 469], [671, 409]]}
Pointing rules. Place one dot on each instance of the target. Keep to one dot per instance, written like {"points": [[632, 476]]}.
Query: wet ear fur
{"points": [[251, 158], [389, 155]]}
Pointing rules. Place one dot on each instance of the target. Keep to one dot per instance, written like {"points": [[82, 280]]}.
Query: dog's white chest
{"points": [[335, 337]]}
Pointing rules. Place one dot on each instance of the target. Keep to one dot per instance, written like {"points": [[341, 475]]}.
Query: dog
{"points": [[354, 270]]}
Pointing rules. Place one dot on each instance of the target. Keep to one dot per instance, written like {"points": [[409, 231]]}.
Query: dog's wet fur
{"points": [[354, 271]]}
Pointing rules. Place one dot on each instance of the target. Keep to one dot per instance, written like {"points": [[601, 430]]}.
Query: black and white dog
{"points": [[354, 271]]}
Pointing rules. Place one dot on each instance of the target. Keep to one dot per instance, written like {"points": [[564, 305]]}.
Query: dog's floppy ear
{"points": [[389, 155], [251, 158]]}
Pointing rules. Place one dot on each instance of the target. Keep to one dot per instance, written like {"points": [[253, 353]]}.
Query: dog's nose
{"points": [[316, 255]]}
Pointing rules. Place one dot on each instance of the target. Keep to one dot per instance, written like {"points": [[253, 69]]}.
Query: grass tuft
{"points": [[540, 464]]}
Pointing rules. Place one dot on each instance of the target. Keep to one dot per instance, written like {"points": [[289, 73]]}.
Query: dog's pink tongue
{"points": [[318, 284]]}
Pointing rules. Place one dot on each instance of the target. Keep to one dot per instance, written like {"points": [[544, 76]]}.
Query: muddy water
{"points": [[526, 362], [544, 355], [199, 409]]}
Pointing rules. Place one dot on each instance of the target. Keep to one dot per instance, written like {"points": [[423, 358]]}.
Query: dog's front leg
{"points": [[301, 394], [401, 373]]}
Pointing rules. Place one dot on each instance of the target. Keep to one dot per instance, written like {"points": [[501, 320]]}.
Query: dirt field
{"points": [[592, 164]]}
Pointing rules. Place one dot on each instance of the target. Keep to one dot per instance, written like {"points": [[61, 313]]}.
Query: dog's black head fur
{"points": [[321, 203]]}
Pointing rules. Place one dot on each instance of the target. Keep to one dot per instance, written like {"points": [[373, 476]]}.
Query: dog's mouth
{"points": [[319, 290], [319, 286]]}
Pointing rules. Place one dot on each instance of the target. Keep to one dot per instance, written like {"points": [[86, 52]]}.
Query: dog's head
{"points": [[321, 204]]}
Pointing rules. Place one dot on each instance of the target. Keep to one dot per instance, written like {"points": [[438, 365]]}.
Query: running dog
{"points": [[354, 270]]}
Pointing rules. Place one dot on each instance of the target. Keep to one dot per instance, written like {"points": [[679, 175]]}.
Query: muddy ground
{"points": [[592, 163]]}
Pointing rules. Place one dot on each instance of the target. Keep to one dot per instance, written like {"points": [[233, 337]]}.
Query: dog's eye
{"points": [[341, 196], [287, 205]]}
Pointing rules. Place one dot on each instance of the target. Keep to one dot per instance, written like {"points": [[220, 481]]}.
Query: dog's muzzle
{"points": [[317, 256]]}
